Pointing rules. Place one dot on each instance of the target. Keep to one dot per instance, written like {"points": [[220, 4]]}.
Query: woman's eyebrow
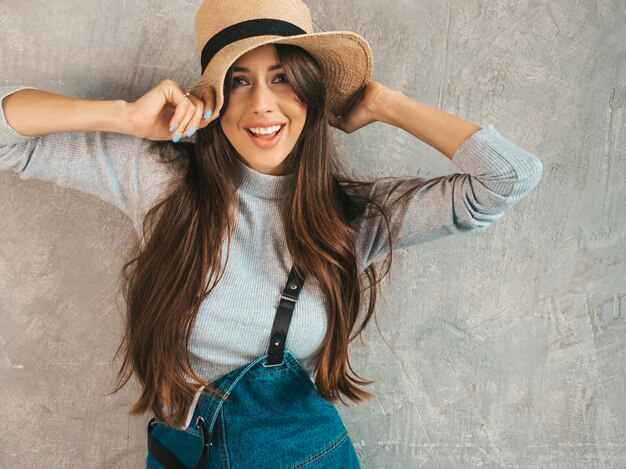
{"points": [[247, 70]]}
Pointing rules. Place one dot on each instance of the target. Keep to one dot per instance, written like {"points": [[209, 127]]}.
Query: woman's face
{"points": [[261, 97]]}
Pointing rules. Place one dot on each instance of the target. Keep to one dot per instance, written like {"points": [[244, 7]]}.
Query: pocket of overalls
{"points": [[186, 445]]}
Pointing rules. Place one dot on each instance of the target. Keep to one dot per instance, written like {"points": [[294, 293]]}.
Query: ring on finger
{"points": [[186, 94]]}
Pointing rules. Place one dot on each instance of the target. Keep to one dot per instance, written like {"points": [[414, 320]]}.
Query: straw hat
{"points": [[226, 29]]}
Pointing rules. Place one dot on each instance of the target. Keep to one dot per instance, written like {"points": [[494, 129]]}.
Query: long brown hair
{"points": [[180, 261]]}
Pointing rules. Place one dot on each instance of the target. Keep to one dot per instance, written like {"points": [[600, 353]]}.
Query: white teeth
{"points": [[265, 130]]}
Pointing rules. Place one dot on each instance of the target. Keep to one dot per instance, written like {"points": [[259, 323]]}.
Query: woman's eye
{"points": [[282, 76], [235, 84]]}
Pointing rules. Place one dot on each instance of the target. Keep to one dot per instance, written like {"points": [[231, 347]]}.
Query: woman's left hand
{"points": [[361, 112]]}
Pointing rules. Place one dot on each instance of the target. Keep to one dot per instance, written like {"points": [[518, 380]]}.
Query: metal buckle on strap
{"points": [[269, 366], [284, 297]]}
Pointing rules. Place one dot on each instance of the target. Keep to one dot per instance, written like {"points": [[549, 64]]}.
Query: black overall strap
{"points": [[289, 297], [278, 337]]}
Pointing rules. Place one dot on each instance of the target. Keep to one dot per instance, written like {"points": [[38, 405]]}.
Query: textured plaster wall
{"points": [[502, 348]]}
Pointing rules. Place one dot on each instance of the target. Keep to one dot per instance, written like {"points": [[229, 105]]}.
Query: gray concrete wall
{"points": [[504, 348]]}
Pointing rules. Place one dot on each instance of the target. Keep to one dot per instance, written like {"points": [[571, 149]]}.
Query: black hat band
{"points": [[243, 30]]}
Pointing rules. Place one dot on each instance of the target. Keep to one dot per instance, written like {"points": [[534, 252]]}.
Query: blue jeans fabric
{"points": [[273, 417]]}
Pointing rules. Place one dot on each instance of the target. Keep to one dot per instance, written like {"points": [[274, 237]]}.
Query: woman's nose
{"points": [[262, 98]]}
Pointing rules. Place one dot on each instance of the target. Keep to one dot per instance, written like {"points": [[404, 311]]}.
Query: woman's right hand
{"points": [[163, 113]]}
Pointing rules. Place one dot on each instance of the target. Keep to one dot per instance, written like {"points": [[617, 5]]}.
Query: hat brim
{"points": [[344, 57]]}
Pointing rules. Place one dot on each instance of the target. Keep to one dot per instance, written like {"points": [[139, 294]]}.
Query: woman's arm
{"points": [[494, 175], [117, 168], [376, 102], [442, 131], [34, 113]]}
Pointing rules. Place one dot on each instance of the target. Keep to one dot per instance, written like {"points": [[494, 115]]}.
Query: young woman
{"points": [[255, 250]]}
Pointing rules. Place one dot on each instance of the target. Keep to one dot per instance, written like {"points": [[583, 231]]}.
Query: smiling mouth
{"points": [[266, 137], [267, 142]]}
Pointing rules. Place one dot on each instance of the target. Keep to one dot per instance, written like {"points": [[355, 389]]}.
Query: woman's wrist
{"points": [[121, 118], [383, 105], [105, 116]]}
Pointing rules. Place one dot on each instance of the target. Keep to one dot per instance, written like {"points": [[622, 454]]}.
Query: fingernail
{"points": [[177, 137], [191, 130], [173, 128], [207, 114]]}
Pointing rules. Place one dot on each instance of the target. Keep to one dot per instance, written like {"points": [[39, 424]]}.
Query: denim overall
{"points": [[272, 417]]}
